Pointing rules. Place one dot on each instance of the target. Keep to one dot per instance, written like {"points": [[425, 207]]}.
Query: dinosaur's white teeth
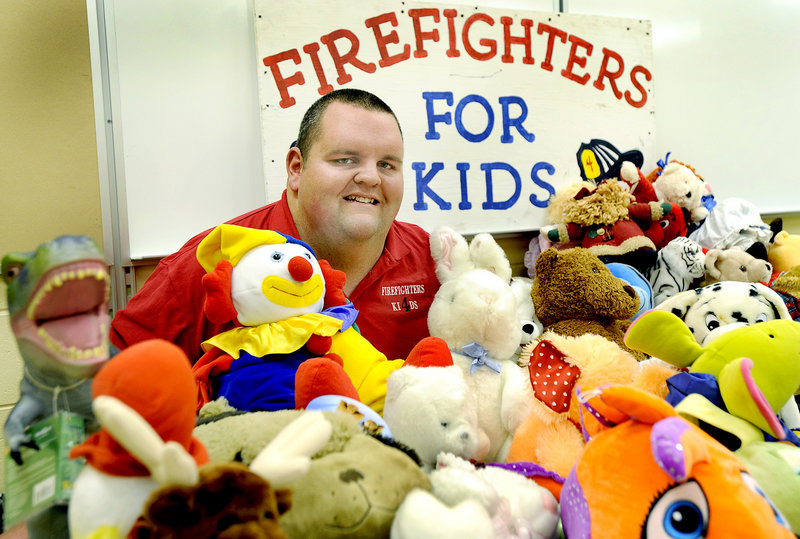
{"points": [[58, 280], [73, 353]]}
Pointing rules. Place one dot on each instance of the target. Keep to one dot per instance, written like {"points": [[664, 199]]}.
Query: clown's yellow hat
{"points": [[232, 242]]}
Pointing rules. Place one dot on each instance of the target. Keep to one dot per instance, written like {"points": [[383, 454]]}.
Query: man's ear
{"points": [[294, 166]]}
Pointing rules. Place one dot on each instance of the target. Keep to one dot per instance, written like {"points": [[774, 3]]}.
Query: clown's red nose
{"points": [[300, 269]]}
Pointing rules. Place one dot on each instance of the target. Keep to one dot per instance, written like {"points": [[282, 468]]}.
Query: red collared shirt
{"points": [[392, 299]]}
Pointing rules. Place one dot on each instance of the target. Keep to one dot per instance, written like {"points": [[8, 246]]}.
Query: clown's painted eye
{"points": [[276, 256], [680, 513], [712, 322]]}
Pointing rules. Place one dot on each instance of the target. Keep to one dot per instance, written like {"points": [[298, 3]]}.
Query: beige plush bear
{"points": [[735, 265], [679, 183]]}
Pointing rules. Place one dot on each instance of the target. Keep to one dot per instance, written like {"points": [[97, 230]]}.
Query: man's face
{"points": [[350, 185]]}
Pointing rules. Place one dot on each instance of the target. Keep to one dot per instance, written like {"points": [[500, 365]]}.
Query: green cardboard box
{"points": [[47, 475]]}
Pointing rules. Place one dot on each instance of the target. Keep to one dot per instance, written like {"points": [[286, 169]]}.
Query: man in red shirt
{"points": [[344, 189]]}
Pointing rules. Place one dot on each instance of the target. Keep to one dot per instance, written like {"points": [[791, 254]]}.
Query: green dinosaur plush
{"points": [[58, 306], [354, 485], [757, 367]]}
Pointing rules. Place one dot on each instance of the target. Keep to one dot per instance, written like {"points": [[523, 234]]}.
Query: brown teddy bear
{"points": [[575, 293], [228, 501]]}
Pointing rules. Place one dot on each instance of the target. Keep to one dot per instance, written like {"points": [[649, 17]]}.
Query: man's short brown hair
{"points": [[311, 125]]}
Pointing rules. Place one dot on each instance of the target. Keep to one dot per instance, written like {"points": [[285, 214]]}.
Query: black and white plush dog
{"points": [[719, 307]]}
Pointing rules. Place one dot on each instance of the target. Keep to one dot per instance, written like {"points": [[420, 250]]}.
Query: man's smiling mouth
{"points": [[363, 200]]}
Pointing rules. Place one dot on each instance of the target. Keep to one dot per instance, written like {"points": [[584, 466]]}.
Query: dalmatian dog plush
{"points": [[714, 309]]}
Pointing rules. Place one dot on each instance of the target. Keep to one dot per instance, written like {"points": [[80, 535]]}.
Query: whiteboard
{"points": [[725, 92], [186, 132], [187, 150]]}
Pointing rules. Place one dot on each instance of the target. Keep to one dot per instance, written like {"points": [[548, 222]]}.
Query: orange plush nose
{"points": [[300, 269]]}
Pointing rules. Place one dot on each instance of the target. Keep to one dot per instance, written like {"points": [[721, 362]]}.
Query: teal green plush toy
{"points": [[757, 367], [776, 467]]}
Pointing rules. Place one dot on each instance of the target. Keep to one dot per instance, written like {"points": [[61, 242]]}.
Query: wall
{"points": [[48, 149]]}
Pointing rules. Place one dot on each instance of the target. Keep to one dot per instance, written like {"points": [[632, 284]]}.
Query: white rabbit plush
{"points": [[475, 313], [484, 252]]}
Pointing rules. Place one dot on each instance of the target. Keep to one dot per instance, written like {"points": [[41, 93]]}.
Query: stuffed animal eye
{"points": [[12, 272], [742, 269], [277, 256], [750, 481], [712, 322], [444, 424], [681, 512], [761, 318]]}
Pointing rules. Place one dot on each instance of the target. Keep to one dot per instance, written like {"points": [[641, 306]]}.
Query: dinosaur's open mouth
{"points": [[68, 313]]}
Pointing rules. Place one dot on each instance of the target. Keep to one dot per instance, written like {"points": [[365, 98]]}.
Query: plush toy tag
{"points": [[47, 475], [552, 377]]}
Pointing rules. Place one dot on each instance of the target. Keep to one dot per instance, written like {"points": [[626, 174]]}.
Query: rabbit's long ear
{"points": [[487, 254], [450, 251]]}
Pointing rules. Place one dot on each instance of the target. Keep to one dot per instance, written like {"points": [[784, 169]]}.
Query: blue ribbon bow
{"points": [[663, 163], [480, 357]]}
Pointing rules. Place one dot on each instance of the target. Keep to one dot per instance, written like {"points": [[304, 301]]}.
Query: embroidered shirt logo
{"points": [[402, 293]]}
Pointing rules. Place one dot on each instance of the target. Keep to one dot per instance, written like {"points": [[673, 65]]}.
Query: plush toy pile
{"points": [[640, 381]]}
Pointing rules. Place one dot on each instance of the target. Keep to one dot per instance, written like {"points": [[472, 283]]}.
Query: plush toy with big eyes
{"points": [[288, 307], [654, 474]]}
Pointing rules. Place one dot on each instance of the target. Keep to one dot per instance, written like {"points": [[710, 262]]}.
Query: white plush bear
{"points": [[679, 184], [509, 505], [475, 313], [421, 514], [430, 408]]}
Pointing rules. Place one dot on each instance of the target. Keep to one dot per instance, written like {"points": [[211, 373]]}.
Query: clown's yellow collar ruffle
{"points": [[282, 337]]}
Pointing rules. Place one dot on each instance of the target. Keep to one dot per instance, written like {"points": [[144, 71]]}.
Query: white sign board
{"points": [[494, 103]]}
